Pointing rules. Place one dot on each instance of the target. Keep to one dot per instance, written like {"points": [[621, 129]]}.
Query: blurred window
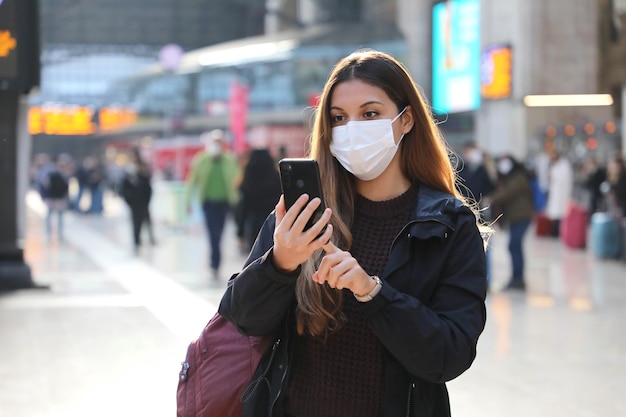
{"points": [[162, 95], [213, 87]]}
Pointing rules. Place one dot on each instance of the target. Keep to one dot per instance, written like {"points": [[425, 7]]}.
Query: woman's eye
{"points": [[370, 114], [337, 119]]}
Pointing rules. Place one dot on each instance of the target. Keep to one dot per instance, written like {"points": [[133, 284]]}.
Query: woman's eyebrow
{"points": [[367, 103]]}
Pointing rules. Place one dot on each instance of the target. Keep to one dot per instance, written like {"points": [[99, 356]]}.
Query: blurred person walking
{"points": [[514, 196], [616, 175], [259, 192], [616, 178], [540, 182], [561, 186], [212, 181], [53, 187], [476, 183], [41, 162], [136, 190], [593, 176], [95, 184], [80, 174]]}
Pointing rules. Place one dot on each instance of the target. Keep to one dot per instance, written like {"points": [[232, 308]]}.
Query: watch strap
{"points": [[370, 295]]}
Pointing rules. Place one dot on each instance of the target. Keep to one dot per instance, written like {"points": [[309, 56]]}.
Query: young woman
{"points": [[375, 315]]}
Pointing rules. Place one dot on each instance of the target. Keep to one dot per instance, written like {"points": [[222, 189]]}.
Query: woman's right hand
{"points": [[292, 244]]}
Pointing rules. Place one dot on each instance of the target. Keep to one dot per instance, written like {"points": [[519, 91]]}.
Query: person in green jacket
{"points": [[212, 180]]}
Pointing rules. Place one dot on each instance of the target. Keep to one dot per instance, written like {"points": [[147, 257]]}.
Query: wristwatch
{"points": [[371, 294]]}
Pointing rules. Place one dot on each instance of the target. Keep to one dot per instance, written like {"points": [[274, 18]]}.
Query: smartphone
{"points": [[301, 176]]}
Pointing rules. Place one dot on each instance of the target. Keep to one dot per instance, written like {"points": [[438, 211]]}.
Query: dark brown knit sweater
{"points": [[343, 375]]}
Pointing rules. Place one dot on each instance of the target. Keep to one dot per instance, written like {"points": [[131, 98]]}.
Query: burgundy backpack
{"points": [[216, 377]]}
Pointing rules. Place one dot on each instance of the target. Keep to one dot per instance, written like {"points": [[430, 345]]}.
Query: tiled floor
{"points": [[107, 337]]}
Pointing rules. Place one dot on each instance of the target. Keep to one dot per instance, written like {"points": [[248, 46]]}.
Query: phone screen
{"points": [[301, 176]]}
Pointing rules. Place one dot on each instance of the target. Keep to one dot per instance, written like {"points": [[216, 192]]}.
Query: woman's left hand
{"points": [[340, 270]]}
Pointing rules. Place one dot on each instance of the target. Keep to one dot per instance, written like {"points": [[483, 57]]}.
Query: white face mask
{"points": [[214, 148], [505, 166], [475, 157], [365, 148]]}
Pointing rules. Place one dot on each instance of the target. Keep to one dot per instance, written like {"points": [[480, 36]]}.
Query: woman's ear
{"points": [[407, 120]]}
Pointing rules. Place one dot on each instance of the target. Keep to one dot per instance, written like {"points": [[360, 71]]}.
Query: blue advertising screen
{"points": [[456, 56]]}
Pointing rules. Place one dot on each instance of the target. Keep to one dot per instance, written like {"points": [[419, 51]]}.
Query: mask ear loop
{"points": [[399, 114], [396, 118]]}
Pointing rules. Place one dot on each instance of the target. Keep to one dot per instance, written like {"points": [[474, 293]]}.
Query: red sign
{"points": [[238, 111], [314, 99], [173, 158]]}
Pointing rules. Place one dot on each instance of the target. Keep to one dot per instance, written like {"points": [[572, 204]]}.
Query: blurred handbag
{"points": [[216, 377]]}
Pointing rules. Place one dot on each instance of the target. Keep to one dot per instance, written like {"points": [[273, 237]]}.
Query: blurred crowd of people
{"points": [[544, 190], [62, 184], [78, 185], [509, 193], [246, 187]]}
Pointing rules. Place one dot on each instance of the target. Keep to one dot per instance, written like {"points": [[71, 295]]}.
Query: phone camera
{"points": [[285, 172]]}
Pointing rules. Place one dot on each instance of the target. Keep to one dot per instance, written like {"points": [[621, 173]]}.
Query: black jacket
{"points": [[428, 314], [137, 190]]}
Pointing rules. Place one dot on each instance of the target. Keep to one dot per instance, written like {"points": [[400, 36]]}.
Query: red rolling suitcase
{"points": [[573, 228], [543, 225]]}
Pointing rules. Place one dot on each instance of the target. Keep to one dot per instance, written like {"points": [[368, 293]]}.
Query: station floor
{"points": [[107, 333]]}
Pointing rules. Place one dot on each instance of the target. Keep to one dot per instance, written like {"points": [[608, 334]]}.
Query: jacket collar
{"points": [[435, 213], [434, 217]]}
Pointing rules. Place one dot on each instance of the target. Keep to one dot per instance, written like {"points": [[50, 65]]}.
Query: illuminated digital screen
{"points": [[110, 118], [8, 40], [456, 56], [68, 120], [495, 72], [77, 120]]}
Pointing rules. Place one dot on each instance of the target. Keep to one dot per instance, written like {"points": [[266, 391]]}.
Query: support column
{"points": [[414, 21], [14, 272]]}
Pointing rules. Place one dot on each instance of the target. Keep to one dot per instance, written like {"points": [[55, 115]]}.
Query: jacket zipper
{"points": [[409, 399], [182, 376], [254, 385], [280, 389]]}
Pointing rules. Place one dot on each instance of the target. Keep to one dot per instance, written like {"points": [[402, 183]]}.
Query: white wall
{"points": [[555, 51], [414, 20]]}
